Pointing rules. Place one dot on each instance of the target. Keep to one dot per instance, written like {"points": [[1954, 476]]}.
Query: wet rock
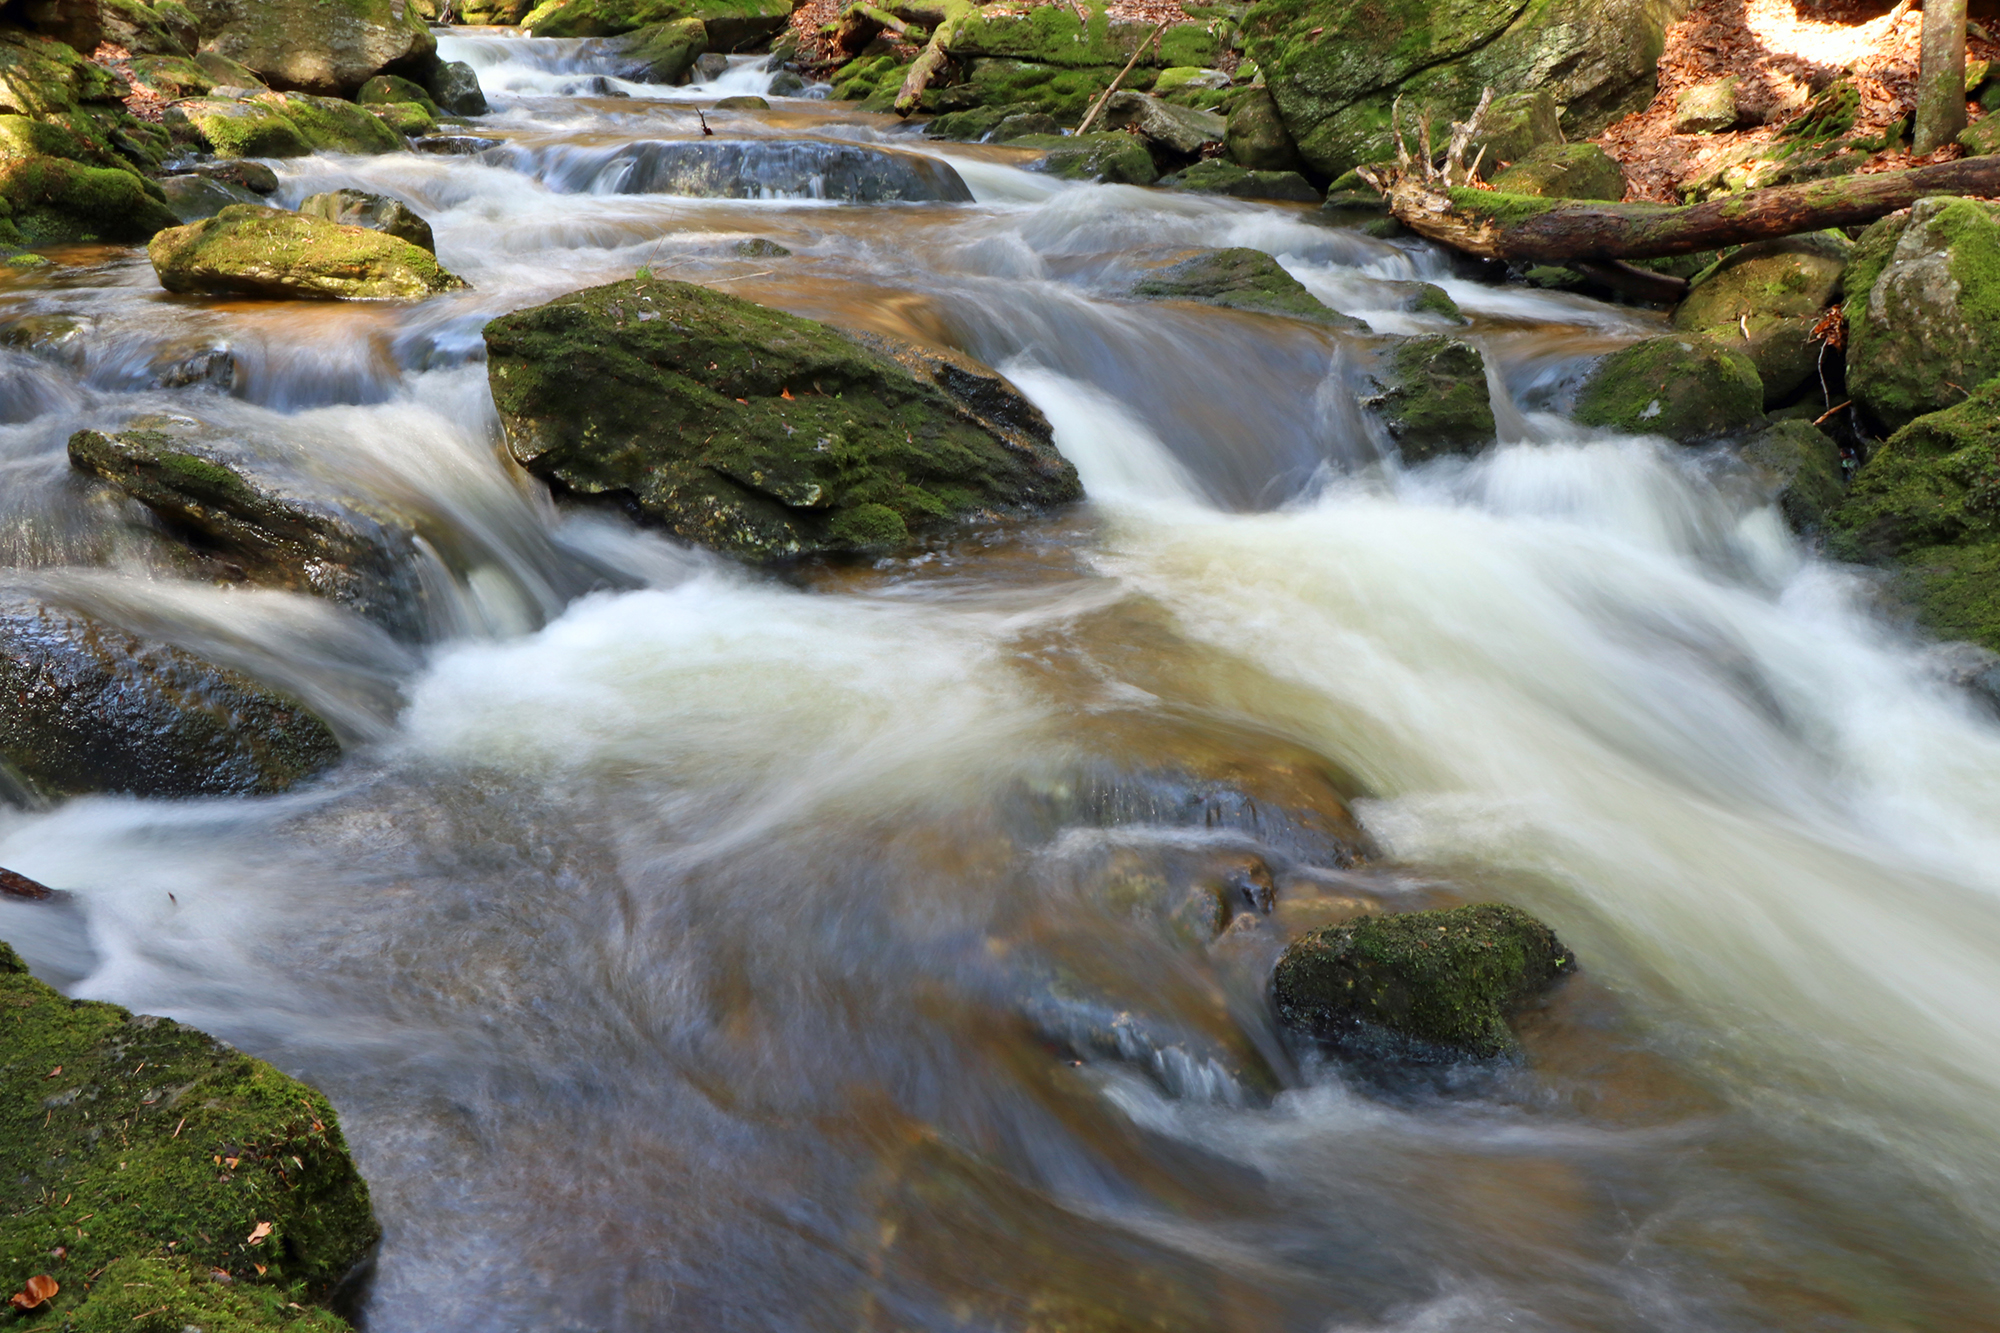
{"points": [[1923, 309], [796, 168], [1683, 387], [193, 198], [210, 367], [1800, 467], [1763, 301], [1218, 176], [284, 528], [57, 338], [1564, 171], [182, 1104], [85, 707], [1022, 124], [1169, 130], [1239, 278], [248, 251], [376, 212], [744, 103], [408, 119], [252, 176], [758, 433], [51, 192], [150, 27], [454, 87], [787, 83], [454, 145], [390, 89], [758, 247], [1116, 159], [665, 52], [1423, 986], [710, 65], [1514, 127], [1432, 397], [313, 47], [1706, 108], [1191, 78], [732, 25]]}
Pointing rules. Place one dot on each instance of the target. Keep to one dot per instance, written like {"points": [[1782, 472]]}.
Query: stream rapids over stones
{"points": [[886, 943]]}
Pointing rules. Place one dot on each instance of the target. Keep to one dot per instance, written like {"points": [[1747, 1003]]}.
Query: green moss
{"points": [[667, 50], [1242, 279], [330, 125], [1434, 398], [1564, 171], [244, 129], [1931, 331], [257, 251], [139, 1147], [157, 1296], [1427, 985], [1118, 159], [1685, 388], [1802, 466], [1055, 35], [390, 90], [728, 23], [1017, 87], [56, 200], [406, 118]]}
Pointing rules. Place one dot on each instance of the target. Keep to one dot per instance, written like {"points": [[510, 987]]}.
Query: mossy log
{"points": [[943, 18], [1493, 225]]}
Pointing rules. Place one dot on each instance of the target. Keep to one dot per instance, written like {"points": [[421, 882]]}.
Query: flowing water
{"points": [[688, 947]]}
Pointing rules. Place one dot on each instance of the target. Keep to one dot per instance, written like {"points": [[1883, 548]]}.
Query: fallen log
{"points": [[943, 18], [1493, 225]]}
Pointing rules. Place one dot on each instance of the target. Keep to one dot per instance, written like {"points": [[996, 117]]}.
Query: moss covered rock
{"points": [[84, 708], [1706, 108], [390, 90], [729, 24], [42, 77], [1240, 278], [664, 52], [376, 212], [252, 251], [1800, 466], [1219, 176], [1923, 309], [53, 199], [1514, 127], [1083, 35], [756, 432], [1564, 171], [151, 27], [1117, 159], [1683, 387], [282, 125], [328, 47], [1421, 985], [999, 88], [1432, 397], [155, 1173], [1763, 301], [1257, 138], [172, 77], [1170, 131]]}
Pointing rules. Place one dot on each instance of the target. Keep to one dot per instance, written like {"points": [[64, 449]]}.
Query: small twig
{"points": [[1091, 116], [1833, 411], [706, 131], [741, 276]]}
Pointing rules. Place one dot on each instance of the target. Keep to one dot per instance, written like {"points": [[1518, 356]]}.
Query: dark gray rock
{"points": [[376, 212], [455, 89], [800, 168], [193, 198], [1178, 131]]}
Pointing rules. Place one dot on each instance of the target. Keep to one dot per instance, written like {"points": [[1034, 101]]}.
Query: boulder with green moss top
{"points": [[664, 52], [172, 77], [251, 251], [408, 119], [1256, 136], [151, 27], [1681, 386], [1116, 159], [1426, 986], [1431, 396], [54, 199], [1564, 171], [281, 125], [1336, 69], [1513, 128], [1221, 176], [1083, 35], [1764, 300], [85, 707], [1169, 131], [1239, 278], [1064, 92], [454, 86], [1927, 505], [1922, 295], [1799, 467], [376, 212], [328, 47], [42, 77], [391, 89], [758, 433], [225, 1199], [730, 25], [281, 524]]}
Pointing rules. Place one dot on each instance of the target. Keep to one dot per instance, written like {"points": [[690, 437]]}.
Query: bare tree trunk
{"points": [[1941, 76]]}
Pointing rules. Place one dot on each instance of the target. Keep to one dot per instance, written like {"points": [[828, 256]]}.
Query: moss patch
{"points": [[53, 199], [252, 251], [1925, 327], [1685, 388], [1433, 397], [1117, 159], [1242, 279]]}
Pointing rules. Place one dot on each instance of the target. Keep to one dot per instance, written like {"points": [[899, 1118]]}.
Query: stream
{"points": [[686, 946]]}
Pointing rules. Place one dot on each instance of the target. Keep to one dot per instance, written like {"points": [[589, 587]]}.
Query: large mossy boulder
{"points": [[1336, 68], [1084, 35], [252, 251], [1116, 159], [1256, 136], [163, 1179], [1928, 506], [730, 25], [1424, 986], [42, 77], [150, 27], [1238, 278], [85, 707], [1764, 301], [281, 125], [1800, 468], [664, 52], [1168, 130], [1431, 396], [328, 47], [1221, 176], [759, 433], [1683, 387], [55, 199], [1564, 171], [1923, 309], [281, 526]]}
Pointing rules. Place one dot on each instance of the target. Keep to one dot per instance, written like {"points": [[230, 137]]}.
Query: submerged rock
{"points": [[285, 529], [1241, 279], [1801, 467], [1923, 309], [1116, 159], [85, 707], [1426, 986], [1432, 397], [1685, 388], [376, 212], [1763, 301], [251, 251], [756, 432], [777, 168], [158, 1133]]}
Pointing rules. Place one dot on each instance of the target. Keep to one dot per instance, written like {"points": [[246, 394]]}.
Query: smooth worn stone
{"points": [[1764, 301], [1681, 386], [134, 1118], [758, 433], [1799, 467], [1116, 159], [1922, 296], [284, 527], [1022, 124], [193, 198], [376, 212], [664, 52], [1239, 278], [710, 65], [454, 145], [85, 707], [795, 168], [1219, 176], [252, 176], [406, 118], [1706, 108], [1176, 131], [247, 251], [454, 86], [1564, 171], [1431, 396], [1424, 986], [1190, 77], [317, 47], [742, 103]]}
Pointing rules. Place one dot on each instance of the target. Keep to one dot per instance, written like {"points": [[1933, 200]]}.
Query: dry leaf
{"points": [[35, 1292], [258, 1232]]}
